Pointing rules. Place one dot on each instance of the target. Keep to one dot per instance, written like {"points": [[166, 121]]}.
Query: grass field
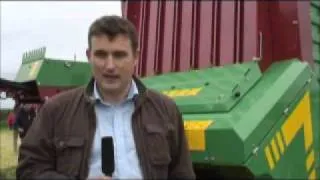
{"points": [[8, 158]]}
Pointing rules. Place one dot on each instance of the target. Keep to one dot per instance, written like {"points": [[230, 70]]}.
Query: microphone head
{"points": [[107, 155]]}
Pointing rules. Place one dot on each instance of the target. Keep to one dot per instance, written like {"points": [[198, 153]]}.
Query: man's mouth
{"points": [[111, 77]]}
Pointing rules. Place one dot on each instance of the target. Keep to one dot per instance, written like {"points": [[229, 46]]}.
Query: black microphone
{"points": [[107, 155]]}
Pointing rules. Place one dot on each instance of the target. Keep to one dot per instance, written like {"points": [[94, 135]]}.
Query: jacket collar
{"points": [[133, 91], [89, 89]]}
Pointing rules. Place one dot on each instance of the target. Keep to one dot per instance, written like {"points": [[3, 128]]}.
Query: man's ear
{"points": [[88, 54], [136, 57]]}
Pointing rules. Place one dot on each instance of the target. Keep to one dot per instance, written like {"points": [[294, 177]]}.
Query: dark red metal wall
{"points": [[45, 91], [291, 30], [183, 35]]}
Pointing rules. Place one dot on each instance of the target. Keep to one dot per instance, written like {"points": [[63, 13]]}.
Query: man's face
{"points": [[112, 62]]}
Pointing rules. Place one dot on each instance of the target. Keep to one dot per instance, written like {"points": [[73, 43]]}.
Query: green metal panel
{"points": [[256, 113], [52, 72], [222, 88], [278, 88], [241, 130], [29, 71], [60, 73], [31, 64], [292, 161], [55, 73], [290, 166]]}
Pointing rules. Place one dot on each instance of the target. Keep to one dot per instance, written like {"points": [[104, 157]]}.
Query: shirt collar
{"points": [[133, 91]]}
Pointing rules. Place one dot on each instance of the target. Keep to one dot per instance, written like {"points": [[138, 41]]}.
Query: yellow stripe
{"points": [[280, 142], [299, 117], [290, 129], [195, 91], [312, 175], [195, 133], [182, 92], [308, 137], [269, 157], [310, 160], [275, 150]]}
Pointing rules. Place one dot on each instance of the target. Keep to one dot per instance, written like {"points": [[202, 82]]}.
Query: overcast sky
{"points": [[60, 26]]}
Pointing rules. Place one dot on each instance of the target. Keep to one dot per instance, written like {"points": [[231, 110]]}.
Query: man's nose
{"points": [[109, 63]]}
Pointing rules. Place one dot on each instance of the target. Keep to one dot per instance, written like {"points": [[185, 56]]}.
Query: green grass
{"points": [[8, 158]]}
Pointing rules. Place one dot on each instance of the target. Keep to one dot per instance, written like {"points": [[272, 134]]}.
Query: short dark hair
{"points": [[112, 26]]}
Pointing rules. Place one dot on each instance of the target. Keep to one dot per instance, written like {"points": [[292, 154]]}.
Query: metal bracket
{"points": [[259, 58], [33, 55]]}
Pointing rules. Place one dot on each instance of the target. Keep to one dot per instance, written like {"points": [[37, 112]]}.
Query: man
{"points": [[24, 119], [13, 126], [11, 120], [64, 141]]}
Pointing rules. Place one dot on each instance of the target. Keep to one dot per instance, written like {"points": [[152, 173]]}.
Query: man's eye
{"points": [[100, 54], [119, 54]]}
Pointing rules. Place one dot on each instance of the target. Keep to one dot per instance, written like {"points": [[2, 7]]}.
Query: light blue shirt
{"points": [[115, 121]]}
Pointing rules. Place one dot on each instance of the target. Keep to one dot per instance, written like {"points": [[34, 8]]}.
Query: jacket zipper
{"points": [[92, 126], [140, 148]]}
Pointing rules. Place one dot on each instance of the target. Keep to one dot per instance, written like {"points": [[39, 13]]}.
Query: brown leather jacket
{"points": [[58, 144]]}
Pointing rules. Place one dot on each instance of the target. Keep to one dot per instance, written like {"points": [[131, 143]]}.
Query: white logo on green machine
{"points": [[34, 69]]}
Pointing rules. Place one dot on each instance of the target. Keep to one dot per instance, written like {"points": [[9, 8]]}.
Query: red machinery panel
{"points": [[291, 30], [183, 35], [51, 91]]}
